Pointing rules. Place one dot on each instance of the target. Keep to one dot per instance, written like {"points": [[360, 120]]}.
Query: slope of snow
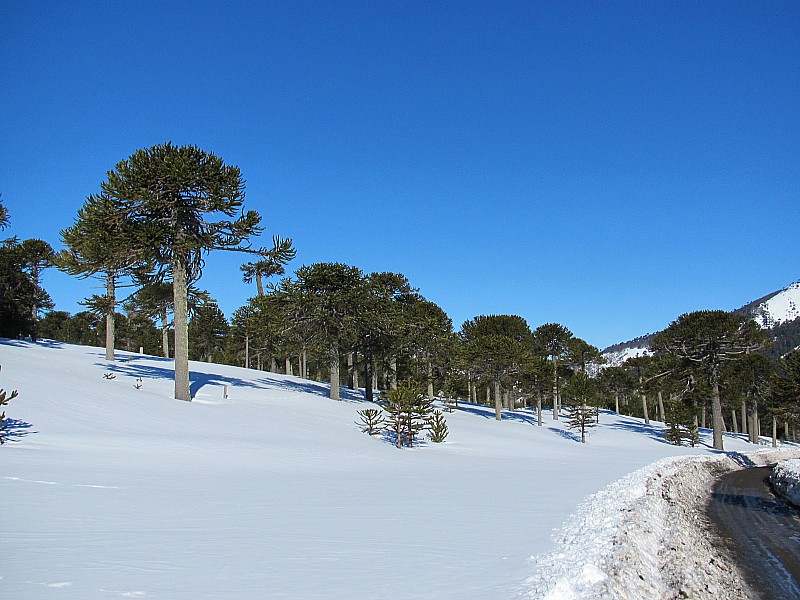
{"points": [[112, 491], [780, 308], [615, 359], [785, 479]]}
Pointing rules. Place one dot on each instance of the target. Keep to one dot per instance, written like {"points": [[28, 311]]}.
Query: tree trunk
{"points": [[247, 351], [661, 415], [393, 373], [734, 421], [430, 379], [288, 363], [774, 431], [368, 378], [644, 408], [616, 401], [786, 431], [181, 320], [753, 427], [703, 416], [498, 398], [333, 367], [716, 415], [164, 334], [555, 388], [539, 409], [488, 395], [351, 372], [259, 285], [111, 291], [744, 417], [273, 364]]}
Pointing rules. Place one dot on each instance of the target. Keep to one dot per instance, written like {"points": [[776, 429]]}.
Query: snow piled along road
{"points": [[110, 490]]}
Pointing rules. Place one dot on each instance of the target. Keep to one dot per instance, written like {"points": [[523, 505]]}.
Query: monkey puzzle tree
{"points": [[494, 347], [272, 263], [705, 341], [552, 340], [182, 202], [324, 300]]}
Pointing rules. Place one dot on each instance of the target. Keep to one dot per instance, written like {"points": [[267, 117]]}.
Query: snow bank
{"points": [[644, 536], [785, 480]]}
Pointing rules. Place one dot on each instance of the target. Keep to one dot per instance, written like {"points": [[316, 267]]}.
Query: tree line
{"points": [[159, 212]]}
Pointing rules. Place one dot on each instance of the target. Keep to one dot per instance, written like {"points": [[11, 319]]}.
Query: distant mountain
{"points": [[778, 312]]}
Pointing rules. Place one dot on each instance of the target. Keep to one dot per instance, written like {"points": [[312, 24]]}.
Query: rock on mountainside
{"points": [[778, 312]]}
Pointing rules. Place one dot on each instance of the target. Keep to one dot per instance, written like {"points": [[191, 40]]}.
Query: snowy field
{"points": [[111, 491]]}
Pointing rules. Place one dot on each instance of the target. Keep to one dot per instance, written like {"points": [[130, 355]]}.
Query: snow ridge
{"points": [[785, 479], [644, 537]]}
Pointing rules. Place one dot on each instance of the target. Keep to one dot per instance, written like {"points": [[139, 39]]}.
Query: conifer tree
{"points": [[704, 341], [99, 244], [183, 203], [581, 393], [271, 263], [409, 411], [552, 340]]}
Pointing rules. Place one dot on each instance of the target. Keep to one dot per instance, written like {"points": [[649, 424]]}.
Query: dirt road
{"points": [[762, 532]]}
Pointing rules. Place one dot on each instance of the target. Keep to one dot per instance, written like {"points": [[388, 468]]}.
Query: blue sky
{"points": [[605, 165]]}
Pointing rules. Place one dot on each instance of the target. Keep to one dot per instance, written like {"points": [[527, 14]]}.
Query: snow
{"points": [[785, 479], [111, 491], [780, 308], [615, 359]]}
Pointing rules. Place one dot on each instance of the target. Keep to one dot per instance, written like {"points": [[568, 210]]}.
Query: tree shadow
{"points": [[627, 424], [197, 379], [14, 430], [488, 412], [316, 388], [29, 343], [566, 434]]}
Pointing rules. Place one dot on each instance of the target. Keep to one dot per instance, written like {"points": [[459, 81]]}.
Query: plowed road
{"points": [[762, 532]]}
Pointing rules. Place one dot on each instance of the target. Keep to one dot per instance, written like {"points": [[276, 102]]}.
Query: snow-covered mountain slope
{"points": [[779, 308], [273, 492], [777, 311], [617, 357]]}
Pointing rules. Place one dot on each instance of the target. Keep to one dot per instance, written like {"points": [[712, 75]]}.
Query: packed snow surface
{"points": [[780, 308], [273, 491]]}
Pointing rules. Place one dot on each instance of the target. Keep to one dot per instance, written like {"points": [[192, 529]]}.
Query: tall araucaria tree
{"points": [[183, 202], [325, 299], [705, 341], [99, 245], [271, 263], [553, 340]]}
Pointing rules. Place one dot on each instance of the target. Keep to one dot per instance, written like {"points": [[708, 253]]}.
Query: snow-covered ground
{"points": [[112, 491], [615, 359], [785, 479]]}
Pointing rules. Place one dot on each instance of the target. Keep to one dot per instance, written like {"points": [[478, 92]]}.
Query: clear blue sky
{"points": [[605, 165]]}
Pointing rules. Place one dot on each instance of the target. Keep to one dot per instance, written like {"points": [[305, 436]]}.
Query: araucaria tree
{"points": [[183, 203], [705, 341], [323, 301], [581, 396], [99, 244]]}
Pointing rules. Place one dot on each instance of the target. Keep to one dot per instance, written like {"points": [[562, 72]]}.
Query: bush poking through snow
{"points": [[408, 410], [437, 427], [4, 400], [371, 421], [109, 376]]}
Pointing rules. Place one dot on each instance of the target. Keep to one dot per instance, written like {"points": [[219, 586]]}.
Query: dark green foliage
{"points": [[680, 420], [371, 420], [3, 214], [21, 297], [409, 411], [271, 263], [702, 343], [581, 396], [437, 427], [207, 330]]}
